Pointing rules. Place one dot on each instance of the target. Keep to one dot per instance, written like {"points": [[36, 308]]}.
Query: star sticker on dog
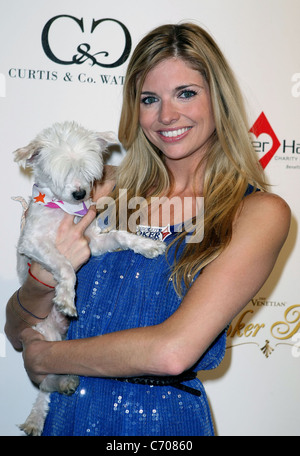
{"points": [[40, 198]]}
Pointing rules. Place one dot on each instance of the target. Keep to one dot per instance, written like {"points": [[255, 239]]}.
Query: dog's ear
{"points": [[25, 155], [107, 137]]}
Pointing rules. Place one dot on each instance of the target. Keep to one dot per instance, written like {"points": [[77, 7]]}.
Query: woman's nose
{"points": [[168, 113]]}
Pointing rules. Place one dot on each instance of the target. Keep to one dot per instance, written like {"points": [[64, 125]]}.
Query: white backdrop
{"points": [[256, 389]]}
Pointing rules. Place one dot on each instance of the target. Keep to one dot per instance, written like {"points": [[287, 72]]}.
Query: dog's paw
{"points": [[68, 384], [69, 311], [65, 304], [149, 248], [32, 426]]}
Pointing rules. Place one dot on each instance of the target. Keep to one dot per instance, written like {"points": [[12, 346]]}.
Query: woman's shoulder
{"points": [[264, 212], [107, 183], [265, 201]]}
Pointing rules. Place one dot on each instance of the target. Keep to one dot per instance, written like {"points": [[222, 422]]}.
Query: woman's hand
{"points": [[71, 240], [34, 346]]}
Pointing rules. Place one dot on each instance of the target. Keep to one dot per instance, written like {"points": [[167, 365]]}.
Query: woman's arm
{"points": [[36, 297], [72, 243], [219, 293]]}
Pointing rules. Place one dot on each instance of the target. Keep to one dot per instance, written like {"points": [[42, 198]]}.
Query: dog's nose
{"points": [[79, 194]]}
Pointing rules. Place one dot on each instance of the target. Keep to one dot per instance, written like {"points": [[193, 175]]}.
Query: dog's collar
{"points": [[45, 197]]}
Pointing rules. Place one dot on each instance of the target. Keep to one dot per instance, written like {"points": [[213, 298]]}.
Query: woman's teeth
{"points": [[174, 133]]}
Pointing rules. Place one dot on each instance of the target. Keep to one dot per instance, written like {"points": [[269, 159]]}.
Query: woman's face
{"points": [[176, 112]]}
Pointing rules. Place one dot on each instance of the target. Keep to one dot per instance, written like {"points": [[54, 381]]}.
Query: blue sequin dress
{"points": [[117, 291]]}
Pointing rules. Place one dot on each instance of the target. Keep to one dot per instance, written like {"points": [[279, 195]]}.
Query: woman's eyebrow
{"points": [[177, 89], [148, 93], [185, 86]]}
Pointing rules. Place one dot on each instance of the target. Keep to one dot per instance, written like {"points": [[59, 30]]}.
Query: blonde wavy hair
{"points": [[231, 163]]}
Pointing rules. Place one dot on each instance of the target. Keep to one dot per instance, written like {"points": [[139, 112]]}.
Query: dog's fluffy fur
{"points": [[65, 158]]}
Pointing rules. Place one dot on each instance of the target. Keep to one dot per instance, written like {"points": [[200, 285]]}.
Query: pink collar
{"points": [[45, 197]]}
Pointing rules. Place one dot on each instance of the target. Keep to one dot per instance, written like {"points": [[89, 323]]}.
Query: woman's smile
{"points": [[174, 135]]}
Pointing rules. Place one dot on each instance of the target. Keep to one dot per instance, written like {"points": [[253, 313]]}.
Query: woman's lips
{"points": [[174, 135]]}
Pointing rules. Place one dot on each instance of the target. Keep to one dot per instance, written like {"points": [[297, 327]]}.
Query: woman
{"points": [[185, 130]]}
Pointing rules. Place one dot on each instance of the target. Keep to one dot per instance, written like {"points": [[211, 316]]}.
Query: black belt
{"points": [[168, 380]]}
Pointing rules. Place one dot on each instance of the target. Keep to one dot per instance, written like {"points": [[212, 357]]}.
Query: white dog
{"points": [[66, 160]]}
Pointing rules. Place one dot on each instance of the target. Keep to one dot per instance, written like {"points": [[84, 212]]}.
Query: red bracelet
{"points": [[35, 278]]}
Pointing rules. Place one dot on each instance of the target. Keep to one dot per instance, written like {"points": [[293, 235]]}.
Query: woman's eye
{"points": [[149, 100], [187, 94]]}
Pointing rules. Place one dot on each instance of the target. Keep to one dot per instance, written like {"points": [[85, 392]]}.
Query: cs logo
{"points": [[84, 52]]}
